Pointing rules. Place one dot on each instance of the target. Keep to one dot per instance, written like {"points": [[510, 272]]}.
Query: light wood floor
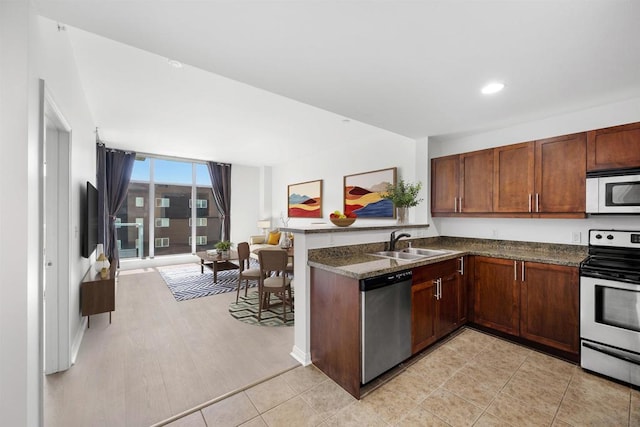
{"points": [[160, 357]]}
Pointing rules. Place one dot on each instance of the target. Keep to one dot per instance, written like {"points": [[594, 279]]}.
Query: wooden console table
{"points": [[98, 295]]}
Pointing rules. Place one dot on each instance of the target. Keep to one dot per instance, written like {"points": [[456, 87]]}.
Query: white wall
{"points": [[246, 196], [383, 150], [537, 230], [28, 52], [56, 66], [19, 380]]}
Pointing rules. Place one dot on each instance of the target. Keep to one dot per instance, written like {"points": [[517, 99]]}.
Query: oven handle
{"points": [[610, 353]]}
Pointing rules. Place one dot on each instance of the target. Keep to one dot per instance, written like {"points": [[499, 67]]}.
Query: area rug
{"points": [[186, 282], [246, 310]]}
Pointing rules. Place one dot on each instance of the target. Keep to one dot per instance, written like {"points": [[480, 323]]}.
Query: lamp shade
{"points": [[265, 223]]}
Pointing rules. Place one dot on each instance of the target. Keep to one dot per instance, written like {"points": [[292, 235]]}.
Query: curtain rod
{"points": [[165, 157]]}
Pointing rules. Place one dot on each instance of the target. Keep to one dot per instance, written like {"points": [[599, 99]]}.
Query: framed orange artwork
{"points": [[305, 200]]}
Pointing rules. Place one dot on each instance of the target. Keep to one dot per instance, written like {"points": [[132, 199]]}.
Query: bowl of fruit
{"points": [[342, 220]]}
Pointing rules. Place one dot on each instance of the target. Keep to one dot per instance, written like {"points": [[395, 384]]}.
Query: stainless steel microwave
{"points": [[613, 192]]}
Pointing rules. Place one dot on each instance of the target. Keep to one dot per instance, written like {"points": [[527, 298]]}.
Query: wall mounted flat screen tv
{"points": [[90, 221]]}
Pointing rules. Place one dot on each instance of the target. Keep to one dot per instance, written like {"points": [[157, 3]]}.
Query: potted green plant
{"points": [[223, 247], [404, 195]]}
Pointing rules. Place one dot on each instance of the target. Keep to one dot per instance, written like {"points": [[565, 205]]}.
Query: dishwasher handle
{"points": [[371, 283]]}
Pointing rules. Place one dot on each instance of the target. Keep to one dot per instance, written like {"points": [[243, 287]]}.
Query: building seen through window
{"points": [[169, 210]]}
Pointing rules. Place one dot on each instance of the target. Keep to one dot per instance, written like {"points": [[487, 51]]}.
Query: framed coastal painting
{"points": [[305, 200], [362, 193]]}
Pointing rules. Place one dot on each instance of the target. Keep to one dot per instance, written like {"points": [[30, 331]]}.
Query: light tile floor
{"points": [[471, 379]]}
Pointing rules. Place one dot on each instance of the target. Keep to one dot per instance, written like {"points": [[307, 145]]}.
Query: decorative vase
{"points": [[402, 214], [102, 262], [285, 243]]}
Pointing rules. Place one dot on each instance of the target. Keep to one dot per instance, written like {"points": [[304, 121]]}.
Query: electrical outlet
{"points": [[576, 237]]}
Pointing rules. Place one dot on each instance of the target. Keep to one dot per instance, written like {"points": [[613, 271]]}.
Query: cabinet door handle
{"points": [[537, 202], [515, 270], [435, 282], [530, 202], [522, 271], [461, 271], [459, 204], [455, 204], [440, 288]]}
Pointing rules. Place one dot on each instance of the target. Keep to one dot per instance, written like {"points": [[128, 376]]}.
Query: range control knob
{"points": [[598, 236], [609, 236]]}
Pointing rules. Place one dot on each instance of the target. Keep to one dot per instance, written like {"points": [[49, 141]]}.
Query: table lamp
{"points": [[102, 262], [264, 225]]}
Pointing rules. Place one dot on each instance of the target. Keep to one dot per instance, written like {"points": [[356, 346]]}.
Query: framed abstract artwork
{"points": [[362, 193], [305, 200]]}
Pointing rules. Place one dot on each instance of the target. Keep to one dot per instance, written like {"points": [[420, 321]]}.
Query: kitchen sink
{"points": [[398, 255], [424, 252], [410, 253]]}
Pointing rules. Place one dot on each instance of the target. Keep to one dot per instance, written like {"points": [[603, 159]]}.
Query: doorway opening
{"points": [[55, 215]]}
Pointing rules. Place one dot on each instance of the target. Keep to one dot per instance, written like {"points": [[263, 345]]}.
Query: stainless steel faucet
{"points": [[393, 239]]}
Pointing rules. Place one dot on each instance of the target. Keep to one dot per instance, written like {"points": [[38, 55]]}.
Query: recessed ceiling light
{"points": [[174, 63], [492, 87]]}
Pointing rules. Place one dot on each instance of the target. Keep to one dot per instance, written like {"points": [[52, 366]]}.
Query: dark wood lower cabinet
{"points": [[435, 302], [549, 306], [534, 301], [496, 294], [447, 306], [335, 328], [423, 314]]}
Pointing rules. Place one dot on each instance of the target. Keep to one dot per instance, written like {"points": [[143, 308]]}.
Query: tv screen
{"points": [[90, 235]]}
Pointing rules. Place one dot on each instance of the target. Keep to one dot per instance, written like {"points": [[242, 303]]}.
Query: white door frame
{"points": [[55, 336]]}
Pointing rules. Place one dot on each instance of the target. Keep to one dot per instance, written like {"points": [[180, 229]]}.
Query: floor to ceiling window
{"points": [[169, 210]]}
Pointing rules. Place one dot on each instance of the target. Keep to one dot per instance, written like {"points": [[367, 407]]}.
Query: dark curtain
{"points": [[220, 174], [115, 175], [101, 166]]}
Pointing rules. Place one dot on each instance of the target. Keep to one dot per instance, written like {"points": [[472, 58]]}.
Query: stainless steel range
{"points": [[610, 305]]}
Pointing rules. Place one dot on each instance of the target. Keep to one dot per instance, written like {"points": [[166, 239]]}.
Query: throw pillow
{"points": [[256, 240], [274, 238]]}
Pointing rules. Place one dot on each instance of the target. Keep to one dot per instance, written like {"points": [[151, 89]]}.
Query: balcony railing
{"points": [[138, 250]]}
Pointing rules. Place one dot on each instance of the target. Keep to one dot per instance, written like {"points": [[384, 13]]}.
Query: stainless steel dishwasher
{"points": [[386, 322]]}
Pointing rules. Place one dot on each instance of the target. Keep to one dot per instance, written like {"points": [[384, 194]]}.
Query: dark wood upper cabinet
{"points": [[445, 178], [614, 147], [513, 178], [561, 173], [544, 178], [476, 182]]}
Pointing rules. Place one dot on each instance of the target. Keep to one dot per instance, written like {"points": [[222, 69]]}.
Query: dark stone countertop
{"points": [[356, 262]]}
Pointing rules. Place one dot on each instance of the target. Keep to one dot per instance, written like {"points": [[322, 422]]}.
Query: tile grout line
{"points": [[564, 394], [484, 411]]}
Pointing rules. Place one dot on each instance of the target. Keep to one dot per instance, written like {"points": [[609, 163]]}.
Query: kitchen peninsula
{"points": [[311, 237]]}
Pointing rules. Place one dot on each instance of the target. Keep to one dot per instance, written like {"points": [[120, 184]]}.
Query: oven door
{"points": [[619, 194], [610, 312]]}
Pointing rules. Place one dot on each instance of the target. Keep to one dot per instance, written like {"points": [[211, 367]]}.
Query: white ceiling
{"points": [[269, 81]]}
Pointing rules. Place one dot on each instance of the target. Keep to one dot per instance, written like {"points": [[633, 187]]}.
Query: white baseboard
{"points": [[77, 340], [301, 356]]}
